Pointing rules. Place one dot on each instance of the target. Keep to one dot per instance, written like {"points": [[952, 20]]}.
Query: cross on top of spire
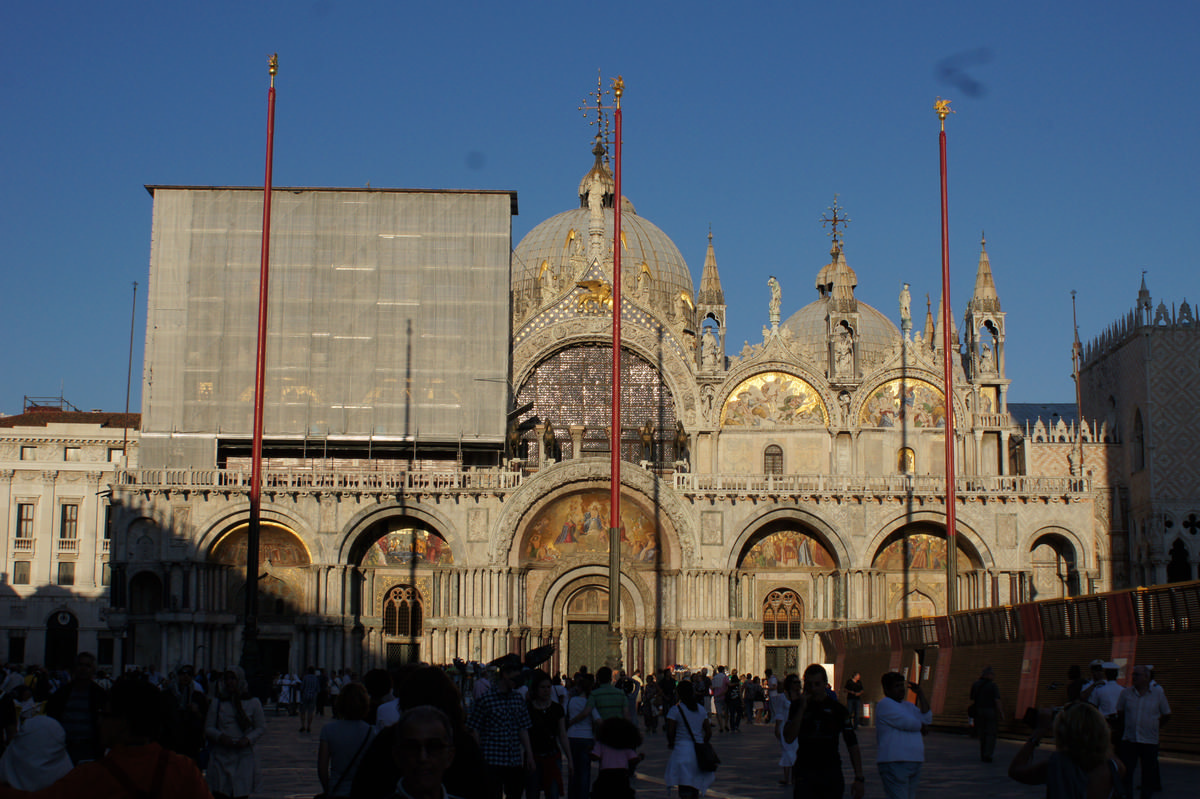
{"points": [[835, 220], [595, 102]]}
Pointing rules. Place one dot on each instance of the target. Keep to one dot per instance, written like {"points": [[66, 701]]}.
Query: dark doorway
{"points": [[587, 644], [783, 660], [400, 654], [274, 655], [62, 640]]}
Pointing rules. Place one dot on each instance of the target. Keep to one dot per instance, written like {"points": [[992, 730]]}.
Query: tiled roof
{"points": [[41, 418]]}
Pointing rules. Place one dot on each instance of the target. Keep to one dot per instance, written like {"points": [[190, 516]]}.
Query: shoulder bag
{"points": [[706, 756]]}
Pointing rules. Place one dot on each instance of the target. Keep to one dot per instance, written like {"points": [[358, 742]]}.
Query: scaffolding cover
{"points": [[388, 314]]}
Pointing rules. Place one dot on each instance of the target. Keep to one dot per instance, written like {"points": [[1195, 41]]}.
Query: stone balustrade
{"points": [[315, 482], [1016, 486]]}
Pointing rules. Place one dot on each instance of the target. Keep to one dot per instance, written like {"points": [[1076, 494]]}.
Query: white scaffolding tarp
{"points": [[388, 313]]}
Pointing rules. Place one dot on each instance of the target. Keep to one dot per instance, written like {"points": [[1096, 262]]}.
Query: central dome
{"points": [[552, 241]]}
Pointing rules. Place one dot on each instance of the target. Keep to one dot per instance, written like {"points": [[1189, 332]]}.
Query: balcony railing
{"points": [[23, 545], [238, 481], [105, 545], [901, 484], [68, 546]]}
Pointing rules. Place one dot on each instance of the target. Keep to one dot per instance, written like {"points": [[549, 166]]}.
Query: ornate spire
{"points": [[938, 329], [985, 299], [841, 296], [929, 340], [710, 280]]}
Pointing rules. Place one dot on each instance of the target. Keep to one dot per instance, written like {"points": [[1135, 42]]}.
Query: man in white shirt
{"points": [[1104, 693], [899, 725], [1144, 710]]}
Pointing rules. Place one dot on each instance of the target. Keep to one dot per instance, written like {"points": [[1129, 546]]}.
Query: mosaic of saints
{"points": [[787, 549], [578, 525], [772, 399], [409, 546], [898, 401]]}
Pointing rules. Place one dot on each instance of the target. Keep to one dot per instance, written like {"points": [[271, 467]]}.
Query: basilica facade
{"points": [[432, 494]]}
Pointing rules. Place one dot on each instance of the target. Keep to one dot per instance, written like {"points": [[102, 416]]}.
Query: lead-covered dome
{"points": [[877, 335], [651, 265]]}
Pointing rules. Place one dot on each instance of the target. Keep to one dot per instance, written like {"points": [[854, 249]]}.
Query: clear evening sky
{"points": [[1074, 146]]}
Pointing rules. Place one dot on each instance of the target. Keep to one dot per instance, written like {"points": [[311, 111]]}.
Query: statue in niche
{"points": [[843, 353], [776, 300], [708, 349], [844, 404], [643, 281], [706, 400], [550, 443], [987, 360]]}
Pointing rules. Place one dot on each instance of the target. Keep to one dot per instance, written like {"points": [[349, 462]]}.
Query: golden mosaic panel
{"points": [[788, 549], [405, 546], [916, 402], [577, 525], [774, 399]]}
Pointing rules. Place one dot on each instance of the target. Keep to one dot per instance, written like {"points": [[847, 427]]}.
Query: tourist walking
{"points": [[854, 695], [547, 739], [76, 706], [816, 720], [617, 742], [310, 688], [344, 741], [1143, 710], [687, 725], [989, 712], [235, 722], [500, 721], [781, 703], [581, 739]]}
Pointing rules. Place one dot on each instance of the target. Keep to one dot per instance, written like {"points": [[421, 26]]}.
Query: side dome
{"points": [[877, 335]]}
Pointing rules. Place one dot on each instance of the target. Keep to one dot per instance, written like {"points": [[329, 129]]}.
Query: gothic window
{"points": [[1139, 442], [574, 387], [402, 612], [773, 460], [783, 616], [1179, 570]]}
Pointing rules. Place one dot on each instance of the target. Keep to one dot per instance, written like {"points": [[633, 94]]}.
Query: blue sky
{"points": [[1074, 146]]}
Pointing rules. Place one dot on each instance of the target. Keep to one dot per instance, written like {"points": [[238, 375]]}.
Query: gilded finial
{"points": [[943, 109], [618, 88], [835, 220], [982, 240], [273, 67]]}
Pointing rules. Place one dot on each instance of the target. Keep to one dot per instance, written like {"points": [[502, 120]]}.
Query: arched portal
{"points": [[912, 563], [1055, 567], [283, 562]]}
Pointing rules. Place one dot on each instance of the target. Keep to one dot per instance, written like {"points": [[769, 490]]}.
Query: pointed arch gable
{"points": [[774, 398]]}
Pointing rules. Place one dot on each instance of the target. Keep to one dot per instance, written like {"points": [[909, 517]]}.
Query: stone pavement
{"points": [[748, 769]]}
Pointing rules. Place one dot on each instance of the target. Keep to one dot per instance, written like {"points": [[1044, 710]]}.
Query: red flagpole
{"points": [[249, 660], [614, 500], [943, 109]]}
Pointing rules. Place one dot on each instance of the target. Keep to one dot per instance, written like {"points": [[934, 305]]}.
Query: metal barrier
{"points": [[1031, 647]]}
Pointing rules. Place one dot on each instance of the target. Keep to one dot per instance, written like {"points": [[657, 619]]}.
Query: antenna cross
{"points": [[835, 220]]}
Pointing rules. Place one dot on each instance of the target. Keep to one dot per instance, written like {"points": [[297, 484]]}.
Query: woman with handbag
{"points": [[235, 722], [687, 726], [344, 741]]}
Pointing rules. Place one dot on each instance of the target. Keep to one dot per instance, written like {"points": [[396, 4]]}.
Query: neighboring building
{"points": [[767, 495], [56, 470], [1141, 379]]}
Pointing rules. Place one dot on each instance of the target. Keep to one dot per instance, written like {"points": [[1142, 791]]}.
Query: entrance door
{"points": [[587, 644], [783, 660], [62, 640], [273, 654], [400, 654]]}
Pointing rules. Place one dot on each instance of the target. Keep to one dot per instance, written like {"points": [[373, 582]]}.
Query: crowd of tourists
{"points": [[511, 730]]}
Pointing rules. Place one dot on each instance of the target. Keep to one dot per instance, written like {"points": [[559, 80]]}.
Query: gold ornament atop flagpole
{"points": [[943, 109], [618, 88], [273, 67]]}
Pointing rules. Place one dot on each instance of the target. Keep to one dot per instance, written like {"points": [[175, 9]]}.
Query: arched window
{"points": [[773, 460], [402, 612], [783, 616]]}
